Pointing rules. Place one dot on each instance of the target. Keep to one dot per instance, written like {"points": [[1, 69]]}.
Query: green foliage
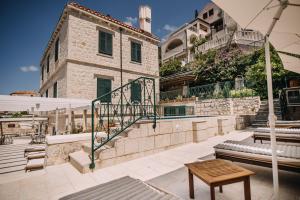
{"points": [[171, 67], [245, 92], [256, 73], [219, 66], [196, 41], [16, 115]]}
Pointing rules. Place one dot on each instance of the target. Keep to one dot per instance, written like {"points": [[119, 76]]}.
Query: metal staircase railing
{"points": [[120, 109]]}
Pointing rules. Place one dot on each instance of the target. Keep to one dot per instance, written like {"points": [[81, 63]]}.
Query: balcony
{"points": [[251, 38], [173, 52]]}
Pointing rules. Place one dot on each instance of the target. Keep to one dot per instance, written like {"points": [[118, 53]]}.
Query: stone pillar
{"points": [[231, 106], [220, 127], [56, 121], [69, 119], [185, 90], [84, 122]]}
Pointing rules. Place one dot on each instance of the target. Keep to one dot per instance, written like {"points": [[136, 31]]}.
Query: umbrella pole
{"points": [[271, 118]]}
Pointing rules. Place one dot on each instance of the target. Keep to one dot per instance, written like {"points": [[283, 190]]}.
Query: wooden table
{"points": [[217, 173]]}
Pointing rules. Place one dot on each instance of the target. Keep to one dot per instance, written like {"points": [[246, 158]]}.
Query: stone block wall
{"points": [[229, 106]]}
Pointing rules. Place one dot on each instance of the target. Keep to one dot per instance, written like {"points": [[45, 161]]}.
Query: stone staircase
{"points": [[121, 148], [261, 118]]}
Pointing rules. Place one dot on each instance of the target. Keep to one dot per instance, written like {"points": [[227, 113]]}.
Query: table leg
{"points": [[191, 185], [221, 189], [247, 191], [212, 193]]}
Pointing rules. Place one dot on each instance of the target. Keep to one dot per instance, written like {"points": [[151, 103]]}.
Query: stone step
{"points": [[80, 160], [87, 147]]}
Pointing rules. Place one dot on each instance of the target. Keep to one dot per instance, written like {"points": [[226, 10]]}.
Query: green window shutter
{"points": [[105, 43], [55, 90], [48, 63], [56, 50], [42, 71], [104, 87], [136, 52], [139, 57], [109, 43], [136, 92]]}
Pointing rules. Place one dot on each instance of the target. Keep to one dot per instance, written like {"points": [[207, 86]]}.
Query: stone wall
{"points": [[142, 139], [60, 146], [229, 106]]}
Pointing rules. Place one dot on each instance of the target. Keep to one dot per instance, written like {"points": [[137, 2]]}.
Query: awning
{"points": [[24, 103]]}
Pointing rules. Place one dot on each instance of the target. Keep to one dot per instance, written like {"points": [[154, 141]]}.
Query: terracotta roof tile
{"points": [[109, 18]]}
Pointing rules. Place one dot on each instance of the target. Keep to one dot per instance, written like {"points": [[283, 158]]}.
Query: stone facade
{"points": [[229, 106], [79, 63], [217, 107], [140, 140]]}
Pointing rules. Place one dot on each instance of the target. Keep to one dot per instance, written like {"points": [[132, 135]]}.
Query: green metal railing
{"points": [[226, 89], [121, 108]]}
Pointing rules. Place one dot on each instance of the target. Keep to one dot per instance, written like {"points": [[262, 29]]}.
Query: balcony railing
{"points": [[173, 52], [252, 38]]}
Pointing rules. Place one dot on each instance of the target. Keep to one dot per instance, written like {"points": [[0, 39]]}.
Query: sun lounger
{"points": [[35, 164], [35, 155], [121, 189], [282, 134], [34, 149], [260, 154]]}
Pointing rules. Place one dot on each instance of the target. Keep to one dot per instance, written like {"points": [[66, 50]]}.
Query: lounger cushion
{"points": [[279, 130], [35, 163], [36, 155], [35, 148], [287, 151]]}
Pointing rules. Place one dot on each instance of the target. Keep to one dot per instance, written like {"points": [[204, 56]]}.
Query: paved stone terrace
{"points": [[60, 180]]}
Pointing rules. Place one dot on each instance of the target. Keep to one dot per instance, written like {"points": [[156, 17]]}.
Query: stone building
{"points": [[85, 53], [212, 23]]}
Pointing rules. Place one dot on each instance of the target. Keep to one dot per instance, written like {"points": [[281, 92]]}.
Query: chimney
{"points": [[145, 18]]}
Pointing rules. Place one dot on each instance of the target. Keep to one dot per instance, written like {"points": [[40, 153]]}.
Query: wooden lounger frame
{"points": [[278, 138], [264, 162]]}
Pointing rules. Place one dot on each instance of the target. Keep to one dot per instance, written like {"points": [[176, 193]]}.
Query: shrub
{"points": [[245, 92]]}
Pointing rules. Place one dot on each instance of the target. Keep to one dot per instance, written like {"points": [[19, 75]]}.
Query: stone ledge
{"points": [[58, 139]]}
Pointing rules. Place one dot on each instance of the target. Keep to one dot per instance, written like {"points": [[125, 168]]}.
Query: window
{"points": [[104, 87], [204, 15], [55, 90], [136, 52], [211, 12], [136, 92], [105, 43], [42, 72], [48, 63], [46, 93], [56, 50]]}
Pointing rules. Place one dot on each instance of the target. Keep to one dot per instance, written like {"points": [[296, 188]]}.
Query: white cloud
{"points": [[30, 68], [131, 21], [169, 28]]}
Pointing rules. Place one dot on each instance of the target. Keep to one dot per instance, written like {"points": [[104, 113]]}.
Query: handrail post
{"points": [[144, 106], [154, 104], [92, 165]]}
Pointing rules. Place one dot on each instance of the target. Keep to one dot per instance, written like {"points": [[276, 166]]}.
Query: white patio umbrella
{"points": [[278, 21]]}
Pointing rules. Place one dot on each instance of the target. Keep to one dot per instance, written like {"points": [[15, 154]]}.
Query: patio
{"points": [[164, 170]]}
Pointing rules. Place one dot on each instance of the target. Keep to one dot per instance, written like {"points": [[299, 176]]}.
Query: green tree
{"points": [[171, 67], [256, 73]]}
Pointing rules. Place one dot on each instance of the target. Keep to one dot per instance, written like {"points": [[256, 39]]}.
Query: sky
{"points": [[26, 27]]}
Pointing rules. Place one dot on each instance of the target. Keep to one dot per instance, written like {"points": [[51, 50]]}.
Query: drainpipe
{"points": [[187, 48], [121, 70]]}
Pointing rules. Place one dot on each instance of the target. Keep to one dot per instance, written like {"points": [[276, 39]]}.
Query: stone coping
{"points": [[58, 139]]}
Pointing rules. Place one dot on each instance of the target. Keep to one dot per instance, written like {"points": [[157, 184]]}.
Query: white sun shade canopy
{"points": [[24, 103], [259, 14]]}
